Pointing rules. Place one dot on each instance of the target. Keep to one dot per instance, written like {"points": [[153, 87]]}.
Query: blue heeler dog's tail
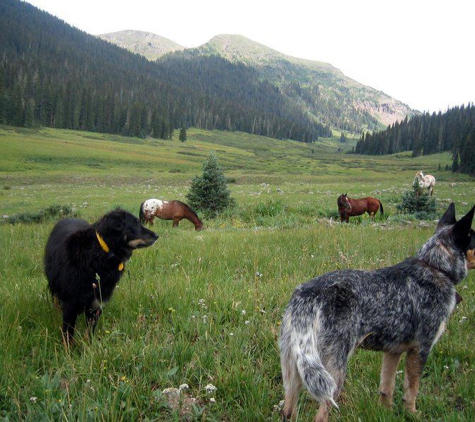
{"points": [[299, 350]]}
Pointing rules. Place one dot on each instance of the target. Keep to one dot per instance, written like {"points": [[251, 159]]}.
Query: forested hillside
{"points": [[328, 96], [54, 75], [426, 134]]}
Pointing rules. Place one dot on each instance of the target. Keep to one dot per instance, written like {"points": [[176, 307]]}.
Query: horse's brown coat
{"points": [[348, 207], [168, 210]]}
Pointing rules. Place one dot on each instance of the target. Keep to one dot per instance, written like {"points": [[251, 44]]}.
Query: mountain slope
{"points": [[54, 75], [146, 44], [329, 96]]}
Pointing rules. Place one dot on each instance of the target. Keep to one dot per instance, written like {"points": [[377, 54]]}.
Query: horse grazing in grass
{"points": [[427, 181], [348, 207], [168, 210]]}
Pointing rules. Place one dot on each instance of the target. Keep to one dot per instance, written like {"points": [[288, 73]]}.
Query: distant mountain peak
{"points": [[324, 91], [146, 44], [242, 49]]}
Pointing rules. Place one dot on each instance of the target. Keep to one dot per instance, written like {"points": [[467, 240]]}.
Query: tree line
{"points": [[54, 75], [426, 134]]}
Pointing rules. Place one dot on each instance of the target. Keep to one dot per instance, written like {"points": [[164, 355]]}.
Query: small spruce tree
{"points": [[418, 203], [208, 192], [182, 136]]}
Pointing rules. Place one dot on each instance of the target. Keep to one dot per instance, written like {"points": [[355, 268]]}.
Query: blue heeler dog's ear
{"points": [[462, 229], [448, 218]]}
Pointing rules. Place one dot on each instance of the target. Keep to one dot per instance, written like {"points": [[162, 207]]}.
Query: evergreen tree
{"points": [[467, 156], [452, 131], [209, 192], [455, 162], [182, 136], [30, 113], [418, 203]]}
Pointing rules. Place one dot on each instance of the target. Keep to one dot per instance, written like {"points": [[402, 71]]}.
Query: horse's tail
{"points": [[381, 207], [141, 214]]}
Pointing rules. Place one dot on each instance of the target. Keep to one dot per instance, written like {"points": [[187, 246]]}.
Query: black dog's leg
{"points": [[92, 317], [69, 321]]}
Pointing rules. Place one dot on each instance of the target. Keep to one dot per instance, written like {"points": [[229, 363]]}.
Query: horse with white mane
{"points": [[427, 181]]}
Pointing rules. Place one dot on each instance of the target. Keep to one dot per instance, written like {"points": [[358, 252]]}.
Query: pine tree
{"points": [[418, 203], [30, 113], [182, 136], [209, 193]]}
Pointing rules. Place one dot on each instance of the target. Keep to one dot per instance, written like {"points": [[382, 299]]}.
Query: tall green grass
{"points": [[204, 308], [198, 309]]}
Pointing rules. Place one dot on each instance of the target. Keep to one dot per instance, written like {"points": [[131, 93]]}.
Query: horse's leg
{"points": [[176, 221]]}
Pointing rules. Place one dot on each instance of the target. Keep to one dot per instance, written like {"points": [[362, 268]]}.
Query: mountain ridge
{"points": [[147, 44], [318, 86], [55, 75]]}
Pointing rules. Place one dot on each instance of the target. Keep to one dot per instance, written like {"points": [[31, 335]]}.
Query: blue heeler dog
{"points": [[403, 308]]}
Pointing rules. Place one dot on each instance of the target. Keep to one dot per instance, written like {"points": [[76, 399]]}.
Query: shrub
{"points": [[269, 209], [48, 214], [418, 203], [209, 192]]}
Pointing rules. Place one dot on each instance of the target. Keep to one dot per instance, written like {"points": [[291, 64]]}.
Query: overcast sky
{"points": [[420, 52]]}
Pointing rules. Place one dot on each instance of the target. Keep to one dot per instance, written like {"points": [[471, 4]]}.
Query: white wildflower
{"points": [[210, 389], [183, 387]]}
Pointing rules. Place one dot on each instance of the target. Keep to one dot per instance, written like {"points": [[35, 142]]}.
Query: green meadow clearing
{"points": [[203, 309]]}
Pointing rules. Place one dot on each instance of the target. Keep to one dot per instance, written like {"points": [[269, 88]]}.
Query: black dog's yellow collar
{"points": [[106, 248]]}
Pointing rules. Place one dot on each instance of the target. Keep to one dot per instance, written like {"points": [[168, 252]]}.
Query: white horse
{"points": [[427, 181]]}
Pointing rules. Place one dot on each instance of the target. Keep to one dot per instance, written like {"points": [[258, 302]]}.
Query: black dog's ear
{"points": [[462, 228], [448, 218], [117, 220], [113, 221]]}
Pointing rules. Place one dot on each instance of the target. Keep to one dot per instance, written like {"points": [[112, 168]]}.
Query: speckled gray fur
{"points": [[396, 309]]}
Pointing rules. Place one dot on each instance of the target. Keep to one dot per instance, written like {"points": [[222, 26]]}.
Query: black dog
{"points": [[84, 262], [395, 310]]}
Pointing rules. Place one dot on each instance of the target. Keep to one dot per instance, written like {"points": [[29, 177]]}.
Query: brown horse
{"points": [[168, 210], [348, 207]]}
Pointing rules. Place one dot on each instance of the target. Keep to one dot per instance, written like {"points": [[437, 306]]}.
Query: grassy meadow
{"points": [[202, 310]]}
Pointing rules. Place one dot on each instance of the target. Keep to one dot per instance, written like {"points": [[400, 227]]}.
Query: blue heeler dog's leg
{"points": [[388, 377], [415, 361]]}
